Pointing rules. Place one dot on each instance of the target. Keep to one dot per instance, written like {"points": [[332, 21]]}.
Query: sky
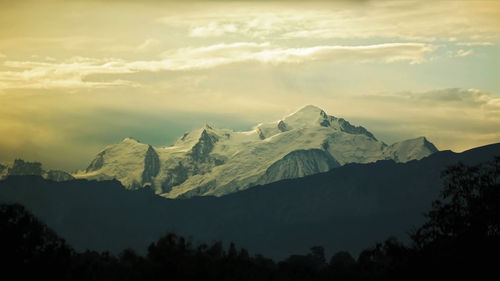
{"points": [[76, 76]]}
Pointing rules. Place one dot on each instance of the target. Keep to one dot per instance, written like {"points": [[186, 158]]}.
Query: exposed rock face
{"points": [[56, 175], [97, 163], [201, 150], [176, 176], [216, 162], [21, 168], [350, 129], [197, 161], [151, 165], [24, 168], [282, 126]]}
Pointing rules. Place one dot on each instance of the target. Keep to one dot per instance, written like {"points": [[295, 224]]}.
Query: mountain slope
{"points": [[348, 208], [410, 149], [299, 163], [216, 162], [125, 161]]}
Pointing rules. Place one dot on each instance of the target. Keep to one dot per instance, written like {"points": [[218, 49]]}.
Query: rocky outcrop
{"points": [[56, 175], [97, 163], [151, 166], [201, 150], [22, 168]]}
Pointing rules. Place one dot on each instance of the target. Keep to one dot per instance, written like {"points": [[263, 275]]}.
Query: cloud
{"points": [[405, 20], [452, 118], [67, 74], [148, 43], [456, 96], [2, 55], [450, 98], [463, 53], [75, 71], [470, 44], [213, 29], [144, 46], [243, 52]]}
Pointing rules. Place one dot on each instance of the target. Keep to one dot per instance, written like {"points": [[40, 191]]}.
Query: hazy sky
{"points": [[78, 75]]}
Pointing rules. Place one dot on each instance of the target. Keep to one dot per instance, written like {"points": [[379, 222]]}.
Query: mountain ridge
{"points": [[20, 167], [211, 161]]}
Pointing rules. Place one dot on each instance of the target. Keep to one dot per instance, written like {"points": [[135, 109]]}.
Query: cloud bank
{"points": [[73, 72]]}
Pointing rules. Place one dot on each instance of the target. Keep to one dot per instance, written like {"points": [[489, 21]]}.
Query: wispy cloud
{"points": [[144, 46], [456, 96], [453, 98], [67, 74], [452, 118], [470, 44], [74, 72], [213, 29], [464, 53], [222, 54], [405, 20]]}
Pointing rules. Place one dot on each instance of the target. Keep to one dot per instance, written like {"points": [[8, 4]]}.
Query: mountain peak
{"points": [[407, 150], [306, 116], [429, 145], [424, 142], [310, 116], [130, 139], [308, 110]]}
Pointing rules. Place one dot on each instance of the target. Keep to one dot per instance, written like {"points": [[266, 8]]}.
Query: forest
{"points": [[459, 239]]}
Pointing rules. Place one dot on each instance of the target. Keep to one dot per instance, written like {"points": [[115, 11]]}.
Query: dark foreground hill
{"points": [[348, 208]]}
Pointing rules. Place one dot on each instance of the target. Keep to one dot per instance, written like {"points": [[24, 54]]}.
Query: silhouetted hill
{"points": [[348, 208]]}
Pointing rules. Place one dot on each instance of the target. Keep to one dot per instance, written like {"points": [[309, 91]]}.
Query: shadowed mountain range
{"points": [[348, 208]]}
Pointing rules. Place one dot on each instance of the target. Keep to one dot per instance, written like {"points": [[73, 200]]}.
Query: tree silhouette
{"points": [[463, 228], [470, 207], [342, 266], [29, 249]]}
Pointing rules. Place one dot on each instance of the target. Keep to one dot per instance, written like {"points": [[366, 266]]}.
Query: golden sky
{"points": [[78, 75]]}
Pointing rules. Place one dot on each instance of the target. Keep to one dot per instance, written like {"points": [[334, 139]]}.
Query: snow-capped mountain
{"points": [[216, 162]]}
